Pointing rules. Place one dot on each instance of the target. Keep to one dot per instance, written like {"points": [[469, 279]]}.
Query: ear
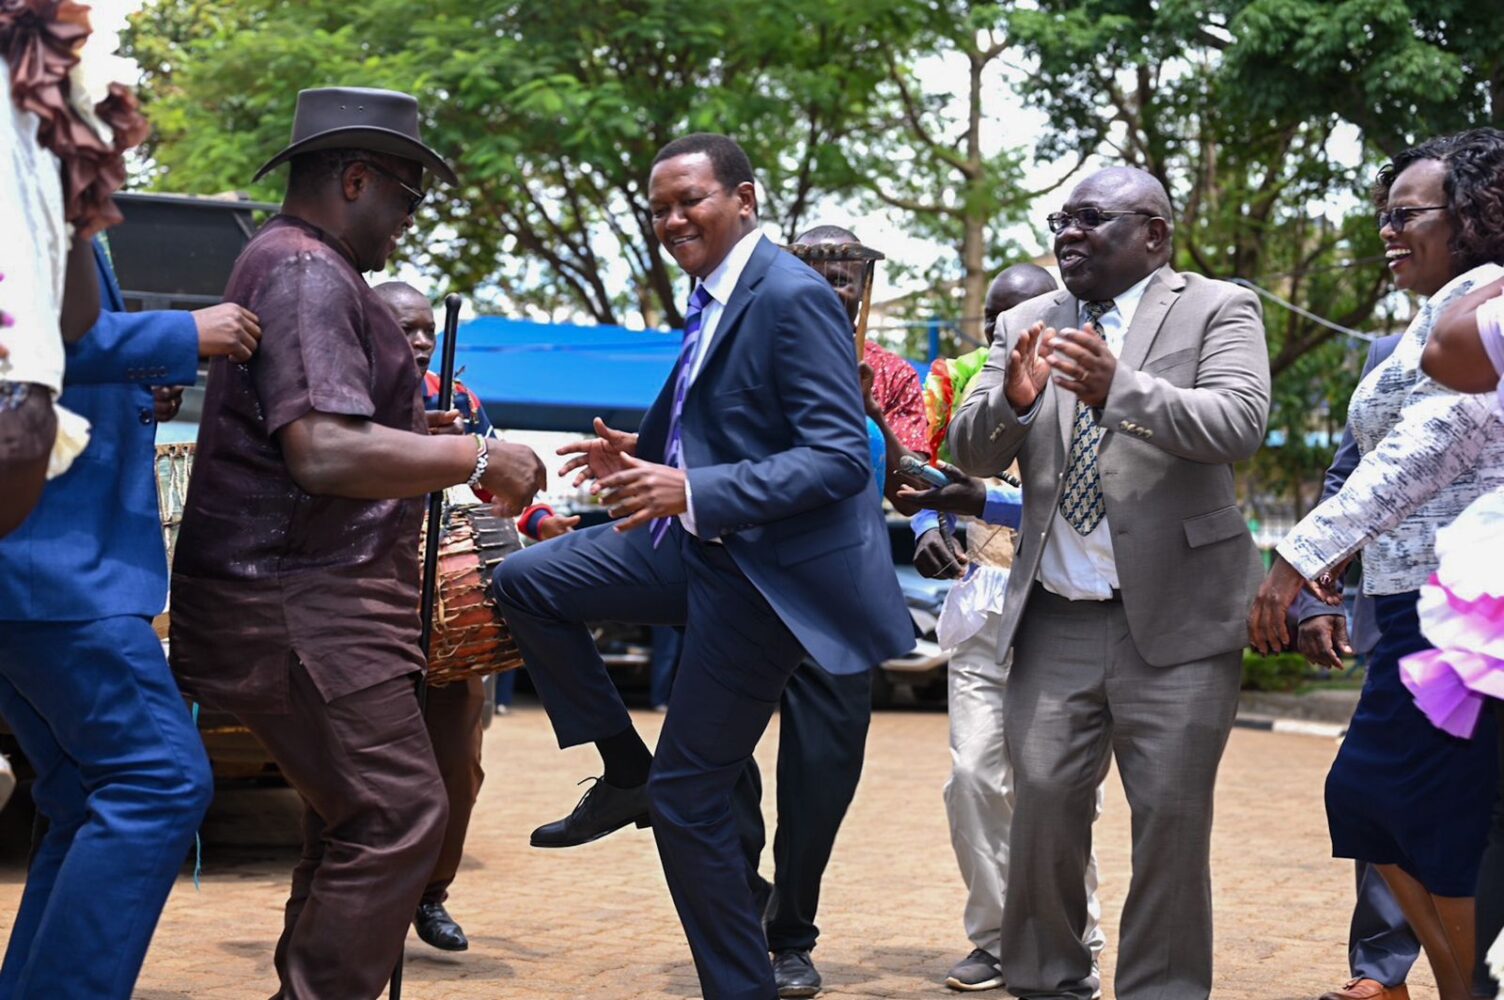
{"points": [[746, 194], [353, 180], [1157, 236]]}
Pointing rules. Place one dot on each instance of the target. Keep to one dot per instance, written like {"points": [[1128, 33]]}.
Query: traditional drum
{"points": [[470, 639]]}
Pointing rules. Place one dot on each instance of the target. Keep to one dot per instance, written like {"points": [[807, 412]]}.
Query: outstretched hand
{"points": [[642, 491], [600, 456], [962, 495]]}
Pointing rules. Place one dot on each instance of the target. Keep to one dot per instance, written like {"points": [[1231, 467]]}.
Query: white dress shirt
{"points": [[1075, 566], [720, 283]]}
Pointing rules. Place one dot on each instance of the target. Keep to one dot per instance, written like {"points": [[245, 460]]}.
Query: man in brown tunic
{"points": [[296, 580]]}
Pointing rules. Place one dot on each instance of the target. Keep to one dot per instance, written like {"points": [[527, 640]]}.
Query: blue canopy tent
{"points": [[558, 376]]}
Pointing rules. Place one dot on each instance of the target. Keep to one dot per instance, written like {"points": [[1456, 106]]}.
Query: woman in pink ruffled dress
{"points": [[1462, 607]]}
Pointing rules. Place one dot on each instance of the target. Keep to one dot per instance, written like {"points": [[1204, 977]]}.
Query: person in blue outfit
{"points": [[1381, 947], [122, 778], [746, 513]]}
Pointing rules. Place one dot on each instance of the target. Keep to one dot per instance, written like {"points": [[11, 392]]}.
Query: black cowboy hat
{"points": [[382, 121]]}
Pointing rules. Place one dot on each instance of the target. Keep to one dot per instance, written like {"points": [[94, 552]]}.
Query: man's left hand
{"points": [[643, 491], [166, 401], [1084, 365]]}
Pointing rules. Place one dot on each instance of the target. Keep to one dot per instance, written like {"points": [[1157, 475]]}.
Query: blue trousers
{"points": [[122, 780], [736, 660], [1381, 946], [822, 741]]}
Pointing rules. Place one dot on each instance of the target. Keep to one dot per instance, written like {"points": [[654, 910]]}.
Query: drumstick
{"points": [[452, 304]]}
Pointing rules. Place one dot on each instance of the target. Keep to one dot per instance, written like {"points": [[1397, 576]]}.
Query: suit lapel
{"points": [[741, 297], [1161, 293]]}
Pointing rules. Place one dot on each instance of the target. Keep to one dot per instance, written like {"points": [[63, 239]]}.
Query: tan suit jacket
{"points": [[1190, 397]]}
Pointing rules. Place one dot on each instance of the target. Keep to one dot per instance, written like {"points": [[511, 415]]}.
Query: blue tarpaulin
{"points": [[558, 376]]}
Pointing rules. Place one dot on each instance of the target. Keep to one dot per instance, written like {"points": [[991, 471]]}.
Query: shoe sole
{"points": [[643, 822], [791, 992], [986, 984]]}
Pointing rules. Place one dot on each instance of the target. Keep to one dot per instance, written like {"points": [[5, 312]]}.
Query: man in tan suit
{"points": [[1125, 400]]}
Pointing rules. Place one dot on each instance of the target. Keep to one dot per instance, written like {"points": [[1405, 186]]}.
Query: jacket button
{"points": [[144, 415]]}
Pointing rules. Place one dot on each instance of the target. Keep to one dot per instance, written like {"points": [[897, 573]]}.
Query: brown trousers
{"points": [[373, 818], [453, 717]]}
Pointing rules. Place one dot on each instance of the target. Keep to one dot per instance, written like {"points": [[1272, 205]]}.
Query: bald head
{"points": [[1015, 284], [414, 314], [1124, 235], [826, 234]]}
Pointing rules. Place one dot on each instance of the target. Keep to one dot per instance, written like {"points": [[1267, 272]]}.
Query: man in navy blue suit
{"points": [[747, 513], [122, 778], [1381, 947]]}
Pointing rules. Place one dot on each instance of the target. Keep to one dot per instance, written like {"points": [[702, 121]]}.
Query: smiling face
{"points": [[1099, 264], [1420, 256], [378, 213], [694, 216], [848, 279]]}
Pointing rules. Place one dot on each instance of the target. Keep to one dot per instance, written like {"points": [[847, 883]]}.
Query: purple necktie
{"points": [[673, 451]]}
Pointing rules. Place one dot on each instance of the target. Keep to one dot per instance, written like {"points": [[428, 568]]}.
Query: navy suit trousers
{"points": [[122, 780], [737, 657], [822, 741]]}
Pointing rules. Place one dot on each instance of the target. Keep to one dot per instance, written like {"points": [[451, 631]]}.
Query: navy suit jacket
{"points": [[1365, 633], [93, 548], [775, 443]]}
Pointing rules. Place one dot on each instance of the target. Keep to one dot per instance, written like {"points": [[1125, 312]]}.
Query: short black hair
{"points": [[827, 234], [308, 172], [727, 158], [1474, 187]]}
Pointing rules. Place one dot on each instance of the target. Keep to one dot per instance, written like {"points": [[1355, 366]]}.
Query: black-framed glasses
{"points": [[1085, 219], [414, 196], [1398, 218]]}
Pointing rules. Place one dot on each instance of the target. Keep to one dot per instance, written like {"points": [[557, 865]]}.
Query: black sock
{"points": [[626, 757]]}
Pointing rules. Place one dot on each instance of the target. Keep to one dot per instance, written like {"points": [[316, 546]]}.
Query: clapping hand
{"points": [[1084, 363], [1028, 367], [600, 456]]}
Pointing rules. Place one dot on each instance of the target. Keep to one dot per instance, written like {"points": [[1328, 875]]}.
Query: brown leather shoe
{"points": [[1368, 989]]}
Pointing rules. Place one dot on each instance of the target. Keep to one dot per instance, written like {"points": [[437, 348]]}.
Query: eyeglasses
{"points": [[1398, 218], [1085, 219], [414, 196]]}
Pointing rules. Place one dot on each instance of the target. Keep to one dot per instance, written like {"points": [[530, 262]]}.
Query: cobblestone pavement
{"points": [[596, 922]]}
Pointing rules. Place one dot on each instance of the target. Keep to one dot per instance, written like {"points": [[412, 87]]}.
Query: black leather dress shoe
{"points": [[602, 810], [436, 927], [795, 974]]}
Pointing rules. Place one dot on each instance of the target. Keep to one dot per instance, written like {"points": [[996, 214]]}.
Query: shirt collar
{"points": [[1126, 302], [721, 282]]}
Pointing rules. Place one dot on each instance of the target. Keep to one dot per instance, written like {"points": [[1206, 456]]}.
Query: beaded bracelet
{"points": [[482, 458]]}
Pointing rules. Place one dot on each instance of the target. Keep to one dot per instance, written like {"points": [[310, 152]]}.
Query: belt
{"points": [[1116, 598]]}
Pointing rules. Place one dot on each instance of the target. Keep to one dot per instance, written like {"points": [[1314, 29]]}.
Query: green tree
{"points": [[550, 111]]}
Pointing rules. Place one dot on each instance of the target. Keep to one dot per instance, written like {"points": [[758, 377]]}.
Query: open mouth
{"points": [[1070, 258], [674, 245], [1395, 256]]}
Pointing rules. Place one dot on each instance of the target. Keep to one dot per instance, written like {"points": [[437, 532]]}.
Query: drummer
{"points": [[454, 711]]}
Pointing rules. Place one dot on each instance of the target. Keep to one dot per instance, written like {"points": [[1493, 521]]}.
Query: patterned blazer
{"points": [[1427, 452]]}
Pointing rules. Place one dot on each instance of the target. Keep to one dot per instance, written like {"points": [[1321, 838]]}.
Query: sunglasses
{"points": [[1085, 219], [1398, 218], [414, 196]]}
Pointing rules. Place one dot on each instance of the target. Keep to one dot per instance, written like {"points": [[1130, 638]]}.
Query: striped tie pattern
{"points": [[1082, 504], [673, 452]]}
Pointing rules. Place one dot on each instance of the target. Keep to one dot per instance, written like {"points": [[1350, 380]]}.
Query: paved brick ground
{"points": [[597, 923]]}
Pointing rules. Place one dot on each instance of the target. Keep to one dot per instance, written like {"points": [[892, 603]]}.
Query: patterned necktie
{"points": [[673, 450], [1081, 504]]}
